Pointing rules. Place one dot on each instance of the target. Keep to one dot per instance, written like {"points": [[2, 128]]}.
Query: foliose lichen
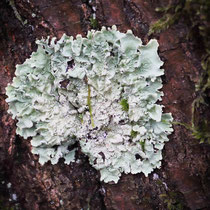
{"points": [[100, 91]]}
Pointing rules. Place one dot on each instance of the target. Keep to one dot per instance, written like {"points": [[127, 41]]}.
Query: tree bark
{"points": [[183, 180]]}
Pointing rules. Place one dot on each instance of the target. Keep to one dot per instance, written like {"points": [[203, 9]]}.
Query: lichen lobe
{"points": [[108, 103]]}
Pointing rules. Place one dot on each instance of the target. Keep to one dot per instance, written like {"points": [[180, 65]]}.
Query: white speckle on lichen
{"points": [[100, 91]]}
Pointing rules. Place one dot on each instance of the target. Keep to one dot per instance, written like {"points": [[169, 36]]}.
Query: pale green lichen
{"points": [[101, 72]]}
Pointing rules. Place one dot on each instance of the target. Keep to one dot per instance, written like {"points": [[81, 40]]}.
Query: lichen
{"points": [[100, 91]]}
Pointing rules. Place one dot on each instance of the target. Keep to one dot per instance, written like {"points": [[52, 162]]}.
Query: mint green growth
{"points": [[100, 91]]}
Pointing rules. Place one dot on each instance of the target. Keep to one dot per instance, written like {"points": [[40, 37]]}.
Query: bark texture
{"points": [[182, 182]]}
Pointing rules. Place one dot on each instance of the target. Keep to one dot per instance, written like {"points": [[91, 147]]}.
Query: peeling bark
{"points": [[184, 176]]}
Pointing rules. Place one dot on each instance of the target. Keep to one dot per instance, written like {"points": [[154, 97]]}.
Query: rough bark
{"points": [[183, 180]]}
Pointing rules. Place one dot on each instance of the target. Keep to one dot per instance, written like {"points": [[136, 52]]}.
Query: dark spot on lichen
{"points": [[112, 53], [64, 83], [137, 156], [55, 147], [122, 122], [95, 161], [95, 128], [70, 65], [102, 155]]}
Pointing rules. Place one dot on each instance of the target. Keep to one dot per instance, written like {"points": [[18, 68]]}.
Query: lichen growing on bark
{"points": [[98, 91]]}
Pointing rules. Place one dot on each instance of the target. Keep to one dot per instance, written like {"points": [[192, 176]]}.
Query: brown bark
{"points": [[183, 179]]}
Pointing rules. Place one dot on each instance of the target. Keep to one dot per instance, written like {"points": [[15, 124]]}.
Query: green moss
{"points": [[17, 15], [195, 13], [124, 104], [93, 23], [172, 200], [133, 134], [201, 132], [142, 145], [89, 106], [163, 23]]}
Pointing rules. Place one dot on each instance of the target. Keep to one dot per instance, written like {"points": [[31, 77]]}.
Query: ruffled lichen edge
{"points": [[108, 103]]}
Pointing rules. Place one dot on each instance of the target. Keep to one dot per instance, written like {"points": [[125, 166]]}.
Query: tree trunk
{"points": [[183, 180]]}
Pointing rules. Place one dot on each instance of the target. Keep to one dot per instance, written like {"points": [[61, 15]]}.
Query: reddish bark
{"points": [[184, 176]]}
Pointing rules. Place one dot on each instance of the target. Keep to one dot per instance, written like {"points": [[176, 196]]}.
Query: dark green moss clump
{"points": [[173, 200], [142, 145], [93, 23], [124, 104], [133, 134], [202, 133]]}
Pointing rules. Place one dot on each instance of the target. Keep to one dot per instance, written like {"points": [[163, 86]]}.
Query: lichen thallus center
{"points": [[121, 107]]}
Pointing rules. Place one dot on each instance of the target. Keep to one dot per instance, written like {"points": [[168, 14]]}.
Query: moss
{"points": [[93, 23], [124, 104], [142, 145], [17, 15], [133, 134], [172, 200], [89, 106], [202, 132], [195, 13], [163, 23]]}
